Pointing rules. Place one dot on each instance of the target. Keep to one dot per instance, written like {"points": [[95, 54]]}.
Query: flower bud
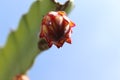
{"points": [[56, 28]]}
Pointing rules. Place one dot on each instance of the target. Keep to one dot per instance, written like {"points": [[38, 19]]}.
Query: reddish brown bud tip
{"points": [[21, 77], [56, 28]]}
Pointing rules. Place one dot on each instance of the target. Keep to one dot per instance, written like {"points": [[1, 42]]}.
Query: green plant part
{"points": [[23, 45]]}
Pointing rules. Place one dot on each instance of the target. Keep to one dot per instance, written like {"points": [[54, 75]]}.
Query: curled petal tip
{"points": [[61, 13], [72, 24], [68, 40]]}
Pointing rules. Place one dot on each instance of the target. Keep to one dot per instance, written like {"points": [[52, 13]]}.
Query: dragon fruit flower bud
{"points": [[56, 28]]}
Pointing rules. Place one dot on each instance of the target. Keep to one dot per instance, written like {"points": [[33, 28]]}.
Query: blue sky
{"points": [[95, 50]]}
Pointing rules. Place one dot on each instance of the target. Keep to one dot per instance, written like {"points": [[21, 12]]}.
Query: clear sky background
{"points": [[95, 50]]}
